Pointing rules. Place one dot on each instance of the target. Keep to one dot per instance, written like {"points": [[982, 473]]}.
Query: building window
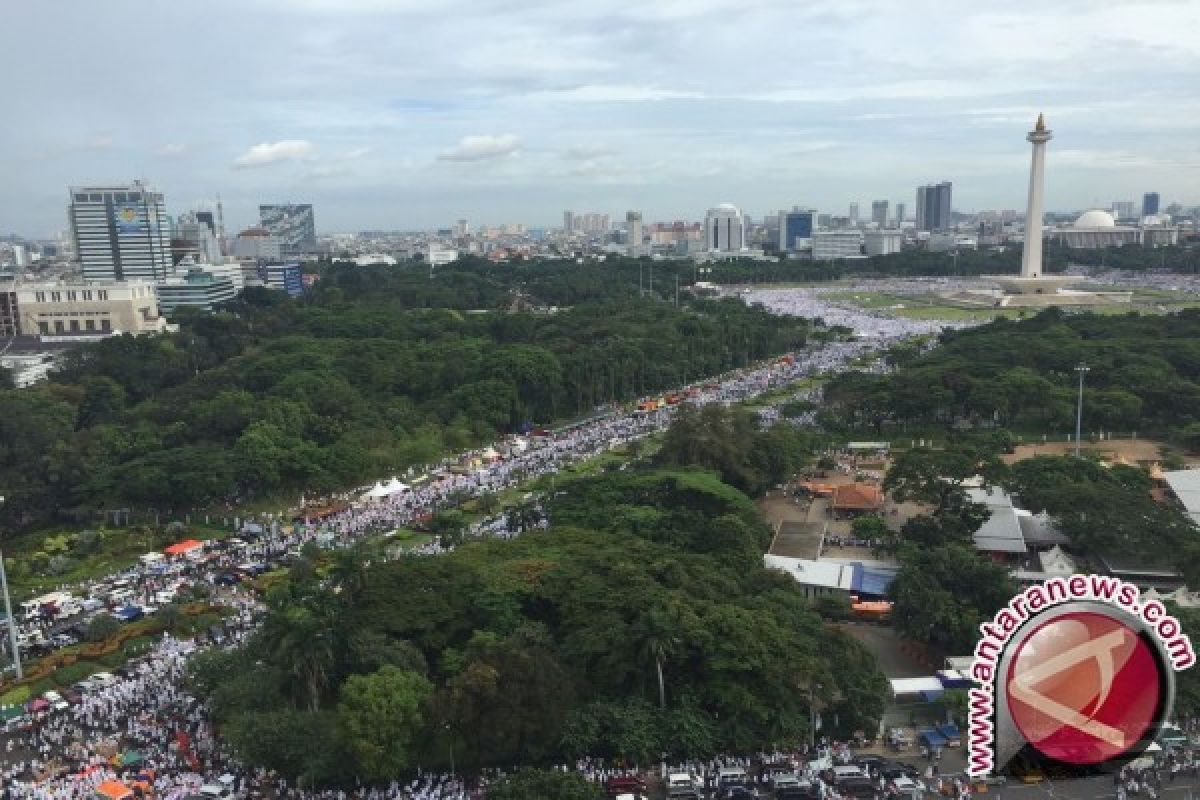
{"points": [[75, 326], [102, 293], [81, 198], [105, 325], [71, 296], [56, 297], [58, 326], [89, 325], [44, 327], [87, 294], [40, 297]]}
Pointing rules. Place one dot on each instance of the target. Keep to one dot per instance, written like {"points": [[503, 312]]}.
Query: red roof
{"points": [[858, 497], [186, 546]]}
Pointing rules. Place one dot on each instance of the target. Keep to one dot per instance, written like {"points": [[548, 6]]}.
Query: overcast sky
{"points": [[404, 114]]}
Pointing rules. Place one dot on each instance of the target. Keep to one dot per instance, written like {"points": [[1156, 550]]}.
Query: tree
{"points": [[532, 784], [102, 627], [658, 640], [870, 527], [943, 594], [379, 715]]}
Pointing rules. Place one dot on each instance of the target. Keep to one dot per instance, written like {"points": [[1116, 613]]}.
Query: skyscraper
{"points": [[568, 221], [120, 232], [933, 206], [900, 209], [724, 229], [633, 229], [1149, 204], [796, 229], [879, 214], [292, 224], [853, 214]]}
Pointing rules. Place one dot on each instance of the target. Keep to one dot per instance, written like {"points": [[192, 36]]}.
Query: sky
{"points": [[411, 114]]}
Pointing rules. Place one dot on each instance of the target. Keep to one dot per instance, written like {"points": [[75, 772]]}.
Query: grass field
{"points": [[934, 307]]}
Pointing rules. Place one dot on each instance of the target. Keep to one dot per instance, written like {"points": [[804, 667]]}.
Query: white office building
{"points": [[634, 233], [121, 232], [828, 245], [883, 243], [724, 229]]}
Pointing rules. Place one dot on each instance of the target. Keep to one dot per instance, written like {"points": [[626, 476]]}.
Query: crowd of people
{"points": [[65, 754]]}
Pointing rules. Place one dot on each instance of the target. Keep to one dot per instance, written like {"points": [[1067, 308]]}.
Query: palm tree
{"points": [[659, 640]]}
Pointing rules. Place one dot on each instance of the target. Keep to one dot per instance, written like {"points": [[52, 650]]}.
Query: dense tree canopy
{"points": [[1145, 376], [379, 368], [641, 622]]}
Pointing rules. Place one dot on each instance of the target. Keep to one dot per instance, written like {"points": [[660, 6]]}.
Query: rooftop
{"points": [[1001, 533]]}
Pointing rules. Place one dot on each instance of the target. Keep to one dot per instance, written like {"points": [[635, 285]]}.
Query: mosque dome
{"points": [[1095, 219]]}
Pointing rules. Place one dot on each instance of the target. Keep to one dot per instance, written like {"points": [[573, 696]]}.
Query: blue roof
{"points": [[871, 581]]}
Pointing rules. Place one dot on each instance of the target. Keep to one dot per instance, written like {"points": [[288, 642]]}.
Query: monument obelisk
{"points": [[1031, 256]]}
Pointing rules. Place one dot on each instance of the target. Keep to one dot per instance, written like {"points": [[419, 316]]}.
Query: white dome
{"points": [[1095, 219], [727, 207]]}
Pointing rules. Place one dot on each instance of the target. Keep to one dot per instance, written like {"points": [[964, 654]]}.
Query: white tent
{"points": [[394, 486], [377, 492]]}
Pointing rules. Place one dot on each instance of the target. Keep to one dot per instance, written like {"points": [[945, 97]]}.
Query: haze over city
{"points": [[405, 115]]}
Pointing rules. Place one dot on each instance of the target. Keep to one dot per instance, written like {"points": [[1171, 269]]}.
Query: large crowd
{"points": [[65, 754]]}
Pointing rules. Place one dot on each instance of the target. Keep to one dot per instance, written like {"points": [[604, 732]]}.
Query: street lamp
{"points": [[12, 623], [1082, 369]]}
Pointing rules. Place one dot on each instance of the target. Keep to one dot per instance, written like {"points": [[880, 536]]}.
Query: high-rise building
{"points": [[853, 214], [199, 230], [900, 209], [292, 224], [568, 221], [633, 230], [461, 228], [796, 229], [724, 229], [120, 232], [879, 213], [1149, 204], [1124, 209], [933, 206]]}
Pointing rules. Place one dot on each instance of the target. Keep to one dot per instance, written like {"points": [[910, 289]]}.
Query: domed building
{"points": [[1095, 229]]}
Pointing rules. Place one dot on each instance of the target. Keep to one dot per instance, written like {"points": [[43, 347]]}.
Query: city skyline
{"points": [[389, 115]]}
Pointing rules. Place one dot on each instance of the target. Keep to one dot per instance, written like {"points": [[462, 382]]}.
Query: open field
{"points": [[932, 306]]}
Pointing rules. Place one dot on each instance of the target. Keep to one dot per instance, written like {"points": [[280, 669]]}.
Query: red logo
{"points": [[1085, 688]]}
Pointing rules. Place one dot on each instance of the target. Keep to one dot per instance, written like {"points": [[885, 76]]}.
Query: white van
{"points": [[729, 775], [843, 772], [680, 783]]}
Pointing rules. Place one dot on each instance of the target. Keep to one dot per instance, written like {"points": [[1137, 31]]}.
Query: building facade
{"points": [[292, 224], [796, 229], [724, 229], [79, 310], [635, 234], [900, 209], [853, 214], [120, 232], [283, 278], [257, 244], [828, 245], [933, 206], [199, 288], [879, 213], [1149, 204], [883, 243]]}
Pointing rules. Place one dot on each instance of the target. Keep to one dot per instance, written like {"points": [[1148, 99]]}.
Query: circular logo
{"points": [[1084, 688]]}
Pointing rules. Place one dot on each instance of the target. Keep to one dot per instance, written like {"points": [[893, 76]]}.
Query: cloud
{"points": [[268, 153], [354, 155], [482, 148], [173, 149], [615, 94], [587, 152]]}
